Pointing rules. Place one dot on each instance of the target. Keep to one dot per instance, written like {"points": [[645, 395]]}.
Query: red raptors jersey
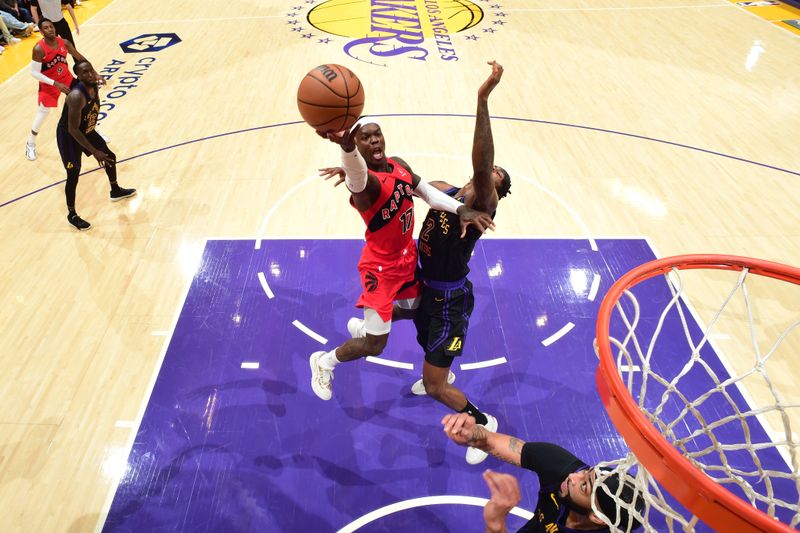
{"points": [[54, 64], [390, 220]]}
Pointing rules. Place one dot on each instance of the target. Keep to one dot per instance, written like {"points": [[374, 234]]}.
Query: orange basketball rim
{"points": [[710, 502]]}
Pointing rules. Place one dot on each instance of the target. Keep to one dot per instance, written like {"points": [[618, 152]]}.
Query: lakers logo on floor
{"points": [[379, 31]]}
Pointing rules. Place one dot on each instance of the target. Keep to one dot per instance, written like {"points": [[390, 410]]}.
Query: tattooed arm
{"points": [[483, 146], [461, 429]]}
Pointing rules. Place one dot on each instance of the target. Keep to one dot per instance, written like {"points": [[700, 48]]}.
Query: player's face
{"points": [[370, 143], [86, 74], [577, 488], [48, 31], [497, 177]]}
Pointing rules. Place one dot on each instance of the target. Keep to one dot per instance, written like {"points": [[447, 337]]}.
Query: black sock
{"points": [[475, 413]]}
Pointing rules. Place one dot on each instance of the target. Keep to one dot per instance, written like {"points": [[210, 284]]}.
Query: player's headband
{"points": [[363, 121]]}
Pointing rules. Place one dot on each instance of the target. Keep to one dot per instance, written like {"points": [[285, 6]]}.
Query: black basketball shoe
{"points": [[120, 194], [78, 222]]}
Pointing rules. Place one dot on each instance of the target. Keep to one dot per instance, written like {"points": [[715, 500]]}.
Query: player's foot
{"points": [[77, 222], [418, 387], [120, 194], [474, 455], [356, 328], [30, 152], [321, 378]]}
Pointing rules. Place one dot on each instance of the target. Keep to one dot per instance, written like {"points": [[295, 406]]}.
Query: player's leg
{"points": [[442, 323], [422, 322], [372, 344], [63, 31], [41, 114], [71, 153], [405, 308], [434, 377], [381, 284], [117, 192]]}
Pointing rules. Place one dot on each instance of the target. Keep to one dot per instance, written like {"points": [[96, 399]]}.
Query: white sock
{"points": [[41, 114], [329, 360]]}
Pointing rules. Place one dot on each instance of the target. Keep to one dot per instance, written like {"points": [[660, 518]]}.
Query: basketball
{"points": [[330, 98]]}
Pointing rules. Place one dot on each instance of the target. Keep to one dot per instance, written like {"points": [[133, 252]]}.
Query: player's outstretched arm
{"points": [[363, 186], [462, 429], [74, 51], [483, 145]]}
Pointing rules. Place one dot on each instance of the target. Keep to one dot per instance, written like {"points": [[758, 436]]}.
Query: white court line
{"points": [[277, 204], [250, 365], [594, 288], [389, 362], [263, 279], [422, 502], [316, 336], [484, 364], [580, 9], [160, 333], [183, 21], [719, 336], [626, 368], [558, 334], [112, 489], [542, 188], [125, 423]]}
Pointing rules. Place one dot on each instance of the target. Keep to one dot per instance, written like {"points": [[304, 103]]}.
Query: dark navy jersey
{"points": [[553, 464], [89, 112], [443, 254]]}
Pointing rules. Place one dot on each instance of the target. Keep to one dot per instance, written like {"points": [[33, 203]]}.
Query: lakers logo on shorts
{"points": [[455, 344], [70, 165], [371, 282]]}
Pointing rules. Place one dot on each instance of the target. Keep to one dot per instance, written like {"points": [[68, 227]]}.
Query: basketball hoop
{"points": [[681, 408]]}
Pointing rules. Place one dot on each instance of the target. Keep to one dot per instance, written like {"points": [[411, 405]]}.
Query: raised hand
{"points": [[459, 428], [103, 158], [330, 172], [479, 219], [344, 138], [492, 81], [504, 489]]}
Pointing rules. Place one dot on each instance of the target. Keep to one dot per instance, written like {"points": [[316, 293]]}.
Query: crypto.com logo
{"points": [[149, 42]]}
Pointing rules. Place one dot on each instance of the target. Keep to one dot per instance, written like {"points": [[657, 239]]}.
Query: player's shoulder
{"points": [[400, 161]]}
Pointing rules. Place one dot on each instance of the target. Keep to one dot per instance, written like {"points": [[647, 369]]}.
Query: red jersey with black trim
{"points": [[54, 64], [390, 220]]}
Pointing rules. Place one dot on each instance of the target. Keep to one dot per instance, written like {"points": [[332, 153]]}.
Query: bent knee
{"points": [[433, 389], [374, 345]]}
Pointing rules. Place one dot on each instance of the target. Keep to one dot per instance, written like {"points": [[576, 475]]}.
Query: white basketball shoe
{"points": [[418, 387], [321, 378], [475, 455]]}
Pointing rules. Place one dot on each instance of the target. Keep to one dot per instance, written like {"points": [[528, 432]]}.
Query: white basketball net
{"points": [[685, 417]]}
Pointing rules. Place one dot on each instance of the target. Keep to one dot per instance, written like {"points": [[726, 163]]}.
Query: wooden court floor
{"points": [[676, 120]]}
